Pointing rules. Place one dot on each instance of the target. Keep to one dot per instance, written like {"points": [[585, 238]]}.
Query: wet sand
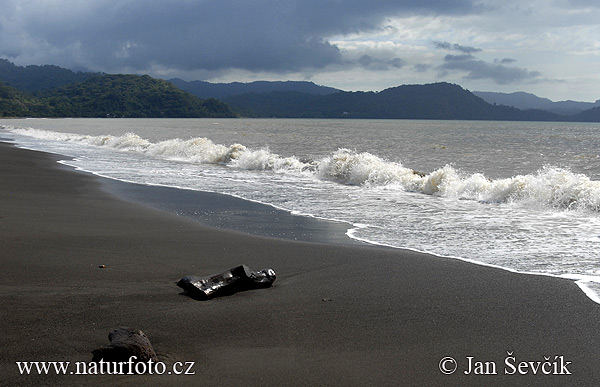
{"points": [[337, 315]]}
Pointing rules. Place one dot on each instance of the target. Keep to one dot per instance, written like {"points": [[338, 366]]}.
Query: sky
{"points": [[550, 48]]}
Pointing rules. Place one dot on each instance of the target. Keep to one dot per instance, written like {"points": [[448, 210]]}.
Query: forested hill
{"points": [[35, 78], [129, 96], [432, 101], [15, 103], [110, 96]]}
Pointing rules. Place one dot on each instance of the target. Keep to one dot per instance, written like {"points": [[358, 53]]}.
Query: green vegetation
{"points": [[35, 78], [129, 96], [14, 103], [98, 95]]}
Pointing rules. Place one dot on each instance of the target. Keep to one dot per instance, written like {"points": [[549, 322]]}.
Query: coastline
{"points": [[226, 212], [337, 315]]}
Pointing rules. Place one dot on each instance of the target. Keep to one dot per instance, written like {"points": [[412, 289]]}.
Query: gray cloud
{"points": [[497, 72], [259, 35], [505, 60], [479, 69], [458, 58], [421, 67], [371, 63], [456, 47]]}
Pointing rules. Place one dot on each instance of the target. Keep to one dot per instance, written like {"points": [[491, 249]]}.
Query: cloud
{"points": [[371, 63], [421, 67], [505, 60], [465, 61], [479, 69], [210, 35], [456, 47]]}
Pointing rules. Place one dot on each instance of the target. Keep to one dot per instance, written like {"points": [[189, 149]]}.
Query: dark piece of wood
{"points": [[234, 280]]}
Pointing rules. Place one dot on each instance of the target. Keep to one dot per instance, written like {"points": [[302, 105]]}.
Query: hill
{"points": [[110, 96], [15, 103], [51, 91], [35, 78], [431, 101], [129, 96], [590, 115], [522, 100], [203, 89]]}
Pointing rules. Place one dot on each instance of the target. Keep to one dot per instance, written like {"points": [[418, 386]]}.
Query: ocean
{"points": [[523, 196]]}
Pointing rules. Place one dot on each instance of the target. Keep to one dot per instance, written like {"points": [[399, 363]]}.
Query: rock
{"points": [[234, 280], [125, 343]]}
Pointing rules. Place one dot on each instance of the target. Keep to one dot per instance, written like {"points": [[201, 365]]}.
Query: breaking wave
{"points": [[553, 187]]}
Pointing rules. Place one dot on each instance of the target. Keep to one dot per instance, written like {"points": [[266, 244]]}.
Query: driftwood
{"points": [[125, 343], [234, 280]]}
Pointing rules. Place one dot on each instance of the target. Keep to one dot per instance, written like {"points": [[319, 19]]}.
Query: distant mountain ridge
{"points": [[522, 100], [287, 99], [430, 101], [50, 91], [204, 89]]}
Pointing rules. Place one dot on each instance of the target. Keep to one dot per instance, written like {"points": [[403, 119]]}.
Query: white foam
{"points": [[550, 187]]}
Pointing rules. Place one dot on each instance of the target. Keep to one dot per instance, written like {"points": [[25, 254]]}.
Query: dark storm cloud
{"points": [[258, 35], [479, 69]]}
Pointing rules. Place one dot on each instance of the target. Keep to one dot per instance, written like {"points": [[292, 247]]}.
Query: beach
{"points": [[337, 314]]}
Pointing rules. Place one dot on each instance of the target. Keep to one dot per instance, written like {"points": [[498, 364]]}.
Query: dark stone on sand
{"points": [[125, 343], [231, 281]]}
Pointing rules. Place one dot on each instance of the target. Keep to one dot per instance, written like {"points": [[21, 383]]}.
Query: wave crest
{"points": [[552, 187], [349, 167]]}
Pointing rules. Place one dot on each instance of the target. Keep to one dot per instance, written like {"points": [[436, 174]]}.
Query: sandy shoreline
{"points": [[337, 315], [231, 213]]}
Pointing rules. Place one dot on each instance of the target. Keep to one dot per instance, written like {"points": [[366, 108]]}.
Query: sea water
{"points": [[524, 196]]}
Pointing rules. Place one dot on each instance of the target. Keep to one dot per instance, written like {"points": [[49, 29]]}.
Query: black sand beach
{"points": [[231, 213], [336, 316]]}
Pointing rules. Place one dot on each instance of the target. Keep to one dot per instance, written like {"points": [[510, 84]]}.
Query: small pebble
{"points": [[102, 266]]}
